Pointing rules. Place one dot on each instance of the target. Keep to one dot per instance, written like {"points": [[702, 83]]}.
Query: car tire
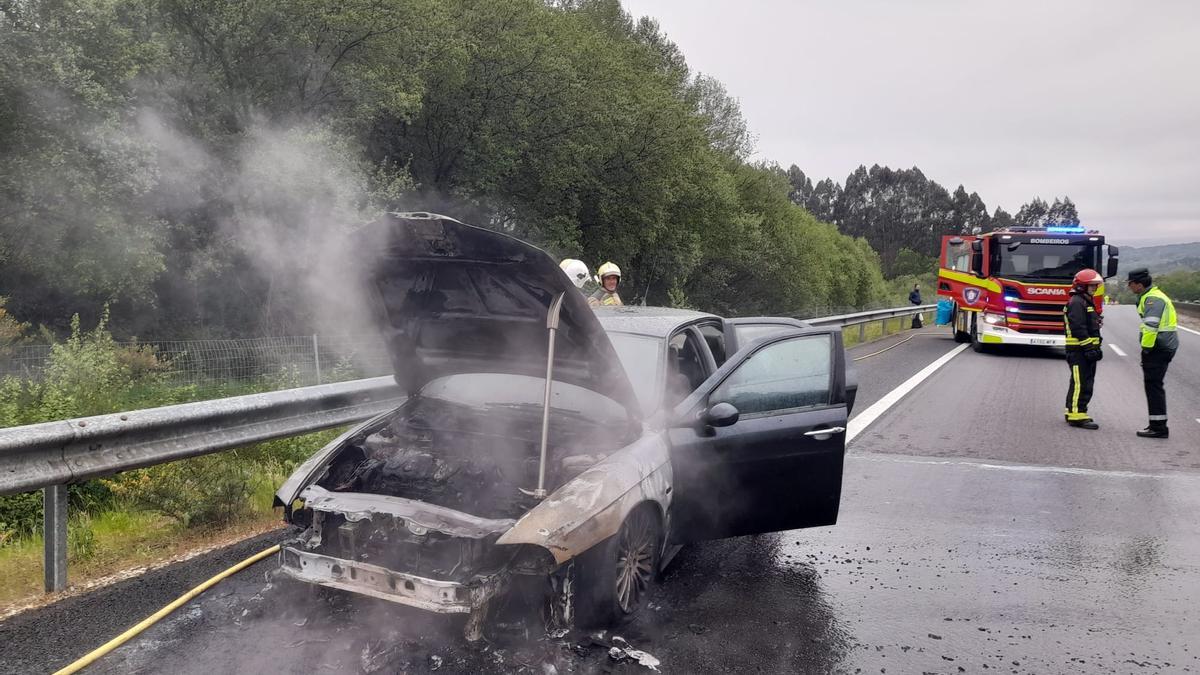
{"points": [[959, 335], [614, 577], [976, 343]]}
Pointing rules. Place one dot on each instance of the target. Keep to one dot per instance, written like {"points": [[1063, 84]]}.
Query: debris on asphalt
{"points": [[622, 650]]}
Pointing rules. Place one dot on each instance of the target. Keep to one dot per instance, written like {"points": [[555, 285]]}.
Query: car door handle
{"points": [[821, 434]]}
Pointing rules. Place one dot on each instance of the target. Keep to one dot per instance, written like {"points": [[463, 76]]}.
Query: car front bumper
{"points": [[999, 335], [443, 597]]}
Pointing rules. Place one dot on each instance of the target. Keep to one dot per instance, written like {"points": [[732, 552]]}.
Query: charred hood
{"points": [[454, 298]]}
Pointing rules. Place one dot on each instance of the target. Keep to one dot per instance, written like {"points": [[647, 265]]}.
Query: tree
{"points": [[1032, 214], [1062, 213], [1001, 220], [970, 213]]}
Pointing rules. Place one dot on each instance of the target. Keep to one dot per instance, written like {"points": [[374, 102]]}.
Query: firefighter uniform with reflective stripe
{"points": [[1083, 351], [1159, 343]]}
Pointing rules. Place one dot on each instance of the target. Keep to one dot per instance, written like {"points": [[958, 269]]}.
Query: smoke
{"points": [[279, 204]]}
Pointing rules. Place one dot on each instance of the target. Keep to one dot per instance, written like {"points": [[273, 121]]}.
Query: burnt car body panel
{"points": [[591, 507], [427, 505], [454, 298]]}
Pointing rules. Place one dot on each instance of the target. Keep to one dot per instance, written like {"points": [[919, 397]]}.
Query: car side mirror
{"points": [[1112, 266], [721, 415]]}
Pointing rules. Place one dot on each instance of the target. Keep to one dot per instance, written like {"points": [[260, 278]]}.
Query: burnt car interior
{"points": [[686, 369]]}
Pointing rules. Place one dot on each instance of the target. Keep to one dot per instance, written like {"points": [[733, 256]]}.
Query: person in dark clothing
{"points": [[914, 298], [1159, 343], [1083, 347]]}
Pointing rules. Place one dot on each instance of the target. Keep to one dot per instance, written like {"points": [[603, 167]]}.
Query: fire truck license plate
{"points": [[1041, 341]]}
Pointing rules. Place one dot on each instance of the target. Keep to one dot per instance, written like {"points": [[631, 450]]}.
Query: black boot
{"points": [[1084, 424], [1155, 432]]}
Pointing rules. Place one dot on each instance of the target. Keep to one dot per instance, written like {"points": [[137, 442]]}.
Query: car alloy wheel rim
{"points": [[635, 560]]}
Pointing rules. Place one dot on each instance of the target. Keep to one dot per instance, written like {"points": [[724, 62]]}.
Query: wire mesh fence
{"points": [[248, 363]]}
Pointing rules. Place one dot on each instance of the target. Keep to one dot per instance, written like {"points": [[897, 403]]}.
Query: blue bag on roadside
{"points": [[945, 310]]}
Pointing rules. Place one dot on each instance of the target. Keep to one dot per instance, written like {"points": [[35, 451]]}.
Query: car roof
{"points": [[652, 321]]}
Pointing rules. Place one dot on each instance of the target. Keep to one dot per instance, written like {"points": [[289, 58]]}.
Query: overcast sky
{"points": [[1096, 100]]}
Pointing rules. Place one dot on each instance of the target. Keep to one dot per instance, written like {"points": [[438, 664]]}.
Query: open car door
{"points": [[741, 331], [759, 446]]}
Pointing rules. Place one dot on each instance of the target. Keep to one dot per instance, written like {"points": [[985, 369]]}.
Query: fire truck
{"points": [[1008, 287]]}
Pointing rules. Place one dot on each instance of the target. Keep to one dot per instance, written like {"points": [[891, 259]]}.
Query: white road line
{"points": [[906, 459], [865, 418], [1117, 350], [1197, 332]]}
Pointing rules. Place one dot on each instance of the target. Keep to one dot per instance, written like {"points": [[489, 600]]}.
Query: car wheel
{"points": [[976, 343], [615, 575], [959, 335]]}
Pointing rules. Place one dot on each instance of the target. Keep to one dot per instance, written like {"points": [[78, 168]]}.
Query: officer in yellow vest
{"points": [[1159, 343]]}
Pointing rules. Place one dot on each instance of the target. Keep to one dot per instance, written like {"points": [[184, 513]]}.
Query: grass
{"points": [[880, 329], [125, 538]]}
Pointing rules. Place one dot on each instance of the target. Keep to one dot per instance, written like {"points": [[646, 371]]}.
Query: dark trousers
{"points": [[1154, 369], [1079, 389]]}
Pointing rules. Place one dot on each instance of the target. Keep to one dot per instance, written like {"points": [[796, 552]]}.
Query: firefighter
{"points": [[1083, 346], [1159, 343], [576, 270], [606, 295]]}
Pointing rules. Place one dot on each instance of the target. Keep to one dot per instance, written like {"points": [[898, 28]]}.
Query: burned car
{"points": [[547, 445]]}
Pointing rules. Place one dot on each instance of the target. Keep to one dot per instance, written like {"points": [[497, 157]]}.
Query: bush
{"points": [[209, 490], [21, 514]]}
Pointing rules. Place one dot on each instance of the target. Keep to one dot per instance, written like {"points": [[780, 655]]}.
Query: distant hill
{"points": [[1161, 259]]}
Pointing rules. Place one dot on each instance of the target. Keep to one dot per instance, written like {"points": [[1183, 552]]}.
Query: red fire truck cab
{"points": [[1008, 287]]}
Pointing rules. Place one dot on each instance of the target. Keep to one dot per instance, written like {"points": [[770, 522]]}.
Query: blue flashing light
{"points": [[1009, 298], [1066, 229]]}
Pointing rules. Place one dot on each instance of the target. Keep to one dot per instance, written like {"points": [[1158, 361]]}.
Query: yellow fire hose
{"points": [[121, 639]]}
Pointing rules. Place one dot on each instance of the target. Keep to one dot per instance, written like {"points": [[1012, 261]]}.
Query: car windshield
{"points": [[642, 358], [1045, 261]]}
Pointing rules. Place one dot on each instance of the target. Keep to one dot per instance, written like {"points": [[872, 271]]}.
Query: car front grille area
{"points": [[1033, 316], [389, 543]]}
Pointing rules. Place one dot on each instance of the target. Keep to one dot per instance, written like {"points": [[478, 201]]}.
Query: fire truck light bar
{"points": [[1066, 229]]}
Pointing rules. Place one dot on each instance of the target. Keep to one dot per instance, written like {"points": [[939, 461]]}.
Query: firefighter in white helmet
{"points": [[610, 278], [576, 270]]}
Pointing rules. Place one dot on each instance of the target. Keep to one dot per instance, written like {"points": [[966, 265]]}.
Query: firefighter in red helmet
{"points": [[1083, 346]]}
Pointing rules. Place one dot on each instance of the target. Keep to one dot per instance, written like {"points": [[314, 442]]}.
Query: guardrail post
{"points": [[317, 358], [862, 332], [54, 504]]}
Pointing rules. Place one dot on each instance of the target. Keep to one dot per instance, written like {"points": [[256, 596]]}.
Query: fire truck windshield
{"points": [[1044, 261]]}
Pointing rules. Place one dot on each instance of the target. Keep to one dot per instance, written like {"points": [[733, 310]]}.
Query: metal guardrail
{"points": [[1188, 308], [52, 455], [860, 318]]}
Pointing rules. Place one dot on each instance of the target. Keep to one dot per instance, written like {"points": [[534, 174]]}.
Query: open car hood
{"points": [[454, 298]]}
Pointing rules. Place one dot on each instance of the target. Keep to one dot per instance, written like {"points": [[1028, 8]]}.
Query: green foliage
{"points": [[910, 263], [88, 373], [208, 490], [901, 209], [81, 538], [1180, 286], [218, 140], [20, 514], [12, 332]]}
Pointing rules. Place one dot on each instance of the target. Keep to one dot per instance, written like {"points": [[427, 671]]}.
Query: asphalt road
{"points": [[978, 533]]}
